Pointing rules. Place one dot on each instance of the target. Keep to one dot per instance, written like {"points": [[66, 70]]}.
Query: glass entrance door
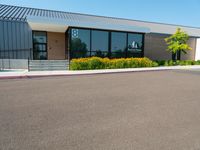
{"points": [[39, 45]]}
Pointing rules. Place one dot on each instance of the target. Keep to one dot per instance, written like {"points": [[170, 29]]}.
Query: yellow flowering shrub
{"points": [[106, 63]]}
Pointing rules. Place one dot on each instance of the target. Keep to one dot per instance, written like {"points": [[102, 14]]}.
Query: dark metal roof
{"points": [[26, 14], [8, 12], [20, 13]]}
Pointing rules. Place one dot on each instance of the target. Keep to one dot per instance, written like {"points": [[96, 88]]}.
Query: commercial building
{"points": [[39, 34]]}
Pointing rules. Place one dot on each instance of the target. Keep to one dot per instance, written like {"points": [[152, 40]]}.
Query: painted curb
{"points": [[28, 75], [77, 74]]}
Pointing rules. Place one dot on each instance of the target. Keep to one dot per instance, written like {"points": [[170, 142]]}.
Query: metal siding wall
{"points": [[1, 36], [30, 40], [21, 36], [9, 40], [5, 35], [10, 44], [14, 41], [15, 37], [21, 39], [5, 39], [26, 39], [1, 39]]}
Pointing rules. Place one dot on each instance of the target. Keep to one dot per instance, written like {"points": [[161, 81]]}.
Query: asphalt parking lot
{"points": [[158, 110]]}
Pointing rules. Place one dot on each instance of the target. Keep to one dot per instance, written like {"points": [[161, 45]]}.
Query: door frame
{"points": [[39, 43]]}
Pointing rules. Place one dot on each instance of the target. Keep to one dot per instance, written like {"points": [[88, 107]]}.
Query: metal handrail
{"points": [[2, 67], [16, 53], [28, 64]]}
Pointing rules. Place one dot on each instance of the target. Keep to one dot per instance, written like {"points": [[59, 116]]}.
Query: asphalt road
{"points": [[131, 111]]}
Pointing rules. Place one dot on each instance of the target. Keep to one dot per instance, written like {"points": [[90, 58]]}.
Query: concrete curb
{"points": [[37, 74]]}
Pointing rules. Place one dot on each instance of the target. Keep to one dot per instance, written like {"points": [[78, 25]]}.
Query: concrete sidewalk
{"points": [[26, 74]]}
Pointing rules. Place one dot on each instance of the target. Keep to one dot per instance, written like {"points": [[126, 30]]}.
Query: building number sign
{"points": [[74, 33]]}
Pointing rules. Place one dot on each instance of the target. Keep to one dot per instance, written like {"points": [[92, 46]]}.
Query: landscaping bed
{"points": [[94, 63], [106, 63]]}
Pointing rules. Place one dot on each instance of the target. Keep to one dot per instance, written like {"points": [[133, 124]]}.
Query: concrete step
{"points": [[48, 64], [47, 68], [31, 62], [45, 65], [48, 61], [39, 69]]}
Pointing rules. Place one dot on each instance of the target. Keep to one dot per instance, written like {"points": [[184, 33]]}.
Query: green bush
{"points": [[177, 63], [160, 62], [105, 63], [79, 65], [197, 62], [95, 63]]}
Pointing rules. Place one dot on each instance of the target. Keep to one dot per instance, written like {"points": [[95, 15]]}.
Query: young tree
{"points": [[177, 44]]}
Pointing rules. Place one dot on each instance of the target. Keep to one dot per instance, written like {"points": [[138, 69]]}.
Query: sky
{"points": [[181, 12]]}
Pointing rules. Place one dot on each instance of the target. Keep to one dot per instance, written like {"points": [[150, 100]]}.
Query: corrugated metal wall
{"points": [[15, 40]]}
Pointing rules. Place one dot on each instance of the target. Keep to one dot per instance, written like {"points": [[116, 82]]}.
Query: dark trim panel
{"points": [[109, 43], [143, 45], [74, 27]]}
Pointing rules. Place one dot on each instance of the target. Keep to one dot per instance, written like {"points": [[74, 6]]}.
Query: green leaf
{"points": [[178, 42]]}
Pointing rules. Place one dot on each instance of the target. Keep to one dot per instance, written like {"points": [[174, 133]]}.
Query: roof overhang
{"points": [[61, 25], [46, 24]]}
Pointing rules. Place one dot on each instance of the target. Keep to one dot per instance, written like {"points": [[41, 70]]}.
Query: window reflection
{"points": [[91, 42], [99, 53], [135, 43], [99, 43], [39, 37], [80, 43], [118, 44]]}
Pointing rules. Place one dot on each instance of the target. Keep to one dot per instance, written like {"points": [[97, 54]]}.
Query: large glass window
{"points": [[99, 43], [118, 44], [39, 45], [91, 42], [135, 44], [80, 43]]}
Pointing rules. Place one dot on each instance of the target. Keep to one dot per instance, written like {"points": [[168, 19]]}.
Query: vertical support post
{"points": [[30, 53], [126, 51], [109, 44], [28, 64], [2, 64], [69, 46], [90, 43], [143, 44]]}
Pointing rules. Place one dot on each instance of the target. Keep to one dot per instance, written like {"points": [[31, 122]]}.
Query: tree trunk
{"points": [[176, 56]]}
